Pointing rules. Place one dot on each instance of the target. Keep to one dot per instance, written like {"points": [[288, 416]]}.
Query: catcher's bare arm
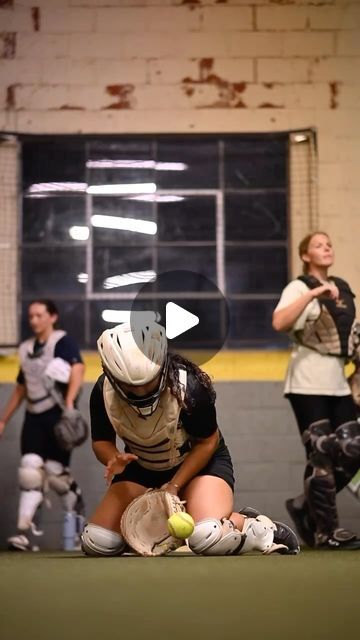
{"points": [[75, 382], [200, 454], [15, 400]]}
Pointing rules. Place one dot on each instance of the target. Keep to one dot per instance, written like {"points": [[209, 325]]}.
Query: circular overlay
{"points": [[190, 307]]}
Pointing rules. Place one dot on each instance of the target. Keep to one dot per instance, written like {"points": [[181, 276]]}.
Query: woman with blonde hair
{"points": [[318, 312]]}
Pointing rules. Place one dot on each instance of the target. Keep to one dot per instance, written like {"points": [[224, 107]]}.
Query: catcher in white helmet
{"points": [[161, 407]]}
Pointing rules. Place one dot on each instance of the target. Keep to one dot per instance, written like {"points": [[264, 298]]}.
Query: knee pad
{"points": [[321, 437], [320, 490], [31, 472], [259, 535], [59, 479], [348, 435], [213, 537], [98, 541], [31, 479]]}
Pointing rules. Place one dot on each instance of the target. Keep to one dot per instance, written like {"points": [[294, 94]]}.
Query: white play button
{"points": [[178, 320]]}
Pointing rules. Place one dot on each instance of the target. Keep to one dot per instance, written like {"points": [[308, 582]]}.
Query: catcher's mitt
{"points": [[71, 430], [144, 523]]}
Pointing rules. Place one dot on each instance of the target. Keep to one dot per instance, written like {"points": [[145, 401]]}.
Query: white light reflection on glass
{"points": [[79, 233], [118, 189], [124, 224], [125, 279], [107, 163], [114, 315]]}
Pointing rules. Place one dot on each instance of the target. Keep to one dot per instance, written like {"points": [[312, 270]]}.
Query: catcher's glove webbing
{"points": [[144, 523]]}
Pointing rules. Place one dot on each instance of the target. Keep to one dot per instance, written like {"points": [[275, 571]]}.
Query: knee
{"points": [[319, 437], [98, 541], [348, 435]]}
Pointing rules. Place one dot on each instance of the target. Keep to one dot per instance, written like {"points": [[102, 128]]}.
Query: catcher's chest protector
{"points": [[333, 332], [159, 441], [38, 396]]}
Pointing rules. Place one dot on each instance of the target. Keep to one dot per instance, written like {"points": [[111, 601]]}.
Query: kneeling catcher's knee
{"points": [[98, 541], [213, 537]]}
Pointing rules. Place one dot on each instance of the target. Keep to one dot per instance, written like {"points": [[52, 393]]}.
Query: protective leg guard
{"points": [[348, 435], [213, 537], [60, 480], [285, 539], [321, 438], [320, 490], [98, 541], [31, 479]]}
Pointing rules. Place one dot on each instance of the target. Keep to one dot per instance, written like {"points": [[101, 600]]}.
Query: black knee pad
{"points": [[348, 435], [321, 437]]}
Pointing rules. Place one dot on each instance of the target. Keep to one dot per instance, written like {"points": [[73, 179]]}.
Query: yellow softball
{"points": [[181, 525]]}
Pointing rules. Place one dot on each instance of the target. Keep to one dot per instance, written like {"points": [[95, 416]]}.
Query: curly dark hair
{"points": [[174, 361]]}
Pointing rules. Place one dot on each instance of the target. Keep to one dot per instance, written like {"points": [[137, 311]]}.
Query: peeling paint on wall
{"points": [[228, 93], [35, 16], [7, 45], [123, 93], [269, 105], [69, 107], [334, 94], [6, 3], [10, 99]]}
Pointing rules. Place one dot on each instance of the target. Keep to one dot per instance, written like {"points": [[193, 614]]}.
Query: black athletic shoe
{"points": [[302, 520], [340, 539], [282, 535], [21, 543]]}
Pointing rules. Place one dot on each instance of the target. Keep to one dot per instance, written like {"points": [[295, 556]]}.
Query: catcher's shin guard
{"points": [[98, 541], [31, 479], [212, 537], [285, 540], [320, 490]]}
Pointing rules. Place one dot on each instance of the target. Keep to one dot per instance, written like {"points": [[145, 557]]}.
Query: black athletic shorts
{"points": [[38, 436], [219, 466]]}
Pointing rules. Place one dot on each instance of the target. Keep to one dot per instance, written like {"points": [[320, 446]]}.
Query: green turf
{"points": [[57, 596]]}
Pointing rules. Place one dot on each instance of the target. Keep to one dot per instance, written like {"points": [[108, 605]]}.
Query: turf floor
{"points": [[57, 596]]}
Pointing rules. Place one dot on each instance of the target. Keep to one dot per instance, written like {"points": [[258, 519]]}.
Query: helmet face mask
{"points": [[145, 405]]}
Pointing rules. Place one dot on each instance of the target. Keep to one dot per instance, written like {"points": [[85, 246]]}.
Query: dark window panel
{"points": [[191, 219], [49, 219], [256, 163], [52, 272], [109, 262], [201, 158], [250, 324], [53, 160], [198, 260], [255, 269], [97, 323], [256, 216]]}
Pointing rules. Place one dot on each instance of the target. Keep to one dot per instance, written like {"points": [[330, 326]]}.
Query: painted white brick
{"points": [[15, 19], [69, 72], [335, 70], [349, 96], [342, 123], [279, 70], [43, 3], [161, 97], [120, 71], [284, 18], [336, 17], [174, 71], [257, 44], [348, 43], [39, 97], [67, 20], [144, 19], [39, 45], [227, 18], [257, 96], [299, 44], [83, 46], [90, 97], [16, 71], [173, 45]]}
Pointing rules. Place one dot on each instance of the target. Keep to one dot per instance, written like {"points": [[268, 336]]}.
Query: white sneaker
{"points": [[21, 543]]}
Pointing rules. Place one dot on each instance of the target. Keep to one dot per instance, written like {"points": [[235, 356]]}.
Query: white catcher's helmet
{"points": [[135, 356]]}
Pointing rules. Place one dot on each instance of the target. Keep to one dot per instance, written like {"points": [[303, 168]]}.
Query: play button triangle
{"points": [[178, 320]]}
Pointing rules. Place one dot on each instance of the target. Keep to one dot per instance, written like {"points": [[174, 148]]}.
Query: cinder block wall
{"points": [[140, 66], [258, 427]]}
